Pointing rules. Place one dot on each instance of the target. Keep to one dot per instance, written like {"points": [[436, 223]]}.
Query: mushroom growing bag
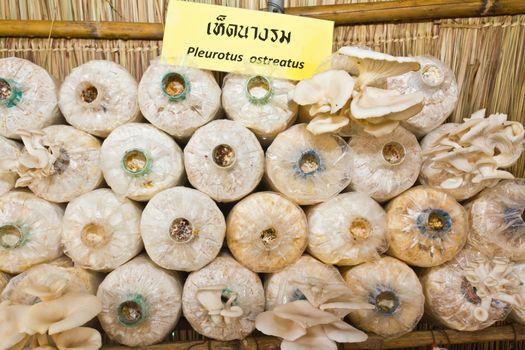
{"points": [[497, 220], [178, 100], [138, 161], [472, 291], [261, 104], [30, 229], [426, 227], [221, 300], [9, 152], [224, 160], [101, 230], [98, 96], [394, 289], [141, 303], [59, 163], [306, 276], [266, 232], [308, 168], [182, 228], [383, 167], [348, 229], [438, 84], [28, 97]]}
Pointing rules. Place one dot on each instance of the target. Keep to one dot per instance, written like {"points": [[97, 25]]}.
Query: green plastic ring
{"points": [[259, 80], [132, 311], [142, 153], [10, 92], [8, 229], [174, 76]]}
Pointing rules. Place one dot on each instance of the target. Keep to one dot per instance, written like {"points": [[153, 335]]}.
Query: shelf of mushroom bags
{"points": [[326, 200]]}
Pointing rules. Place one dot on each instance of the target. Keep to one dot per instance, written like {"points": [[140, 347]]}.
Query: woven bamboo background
{"points": [[487, 54]]}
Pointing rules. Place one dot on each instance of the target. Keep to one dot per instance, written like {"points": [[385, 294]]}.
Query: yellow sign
{"points": [[230, 39]]}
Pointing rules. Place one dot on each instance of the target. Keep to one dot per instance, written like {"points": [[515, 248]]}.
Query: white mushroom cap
{"points": [[327, 92], [375, 103], [69, 311], [371, 66], [80, 338]]}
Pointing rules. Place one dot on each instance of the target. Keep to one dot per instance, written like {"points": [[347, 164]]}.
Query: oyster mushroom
{"points": [[378, 110], [372, 67], [303, 325], [13, 325], [325, 93], [58, 315], [472, 291], [465, 158], [59, 163], [211, 299], [78, 338]]}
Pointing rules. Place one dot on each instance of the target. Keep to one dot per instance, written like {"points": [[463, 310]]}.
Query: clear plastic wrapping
{"points": [[384, 166], [497, 220], [438, 84], [518, 312], [471, 292], [308, 168], [306, 275], [9, 153], [59, 163], [138, 161], [101, 230], [28, 97], [141, 302], [182, 228], [426, 227], [224, 160], [99, 96], [261, 104], [266, 232], [394, 289], [348, 229], [178, 100], [30, 229], [78, 280], [221, 300]]}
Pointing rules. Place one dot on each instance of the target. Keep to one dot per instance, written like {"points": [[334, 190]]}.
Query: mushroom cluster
{"points": [[354, 89], [494, 280], [314, 322], [211, 298], [54, 323], [456, 156]]}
